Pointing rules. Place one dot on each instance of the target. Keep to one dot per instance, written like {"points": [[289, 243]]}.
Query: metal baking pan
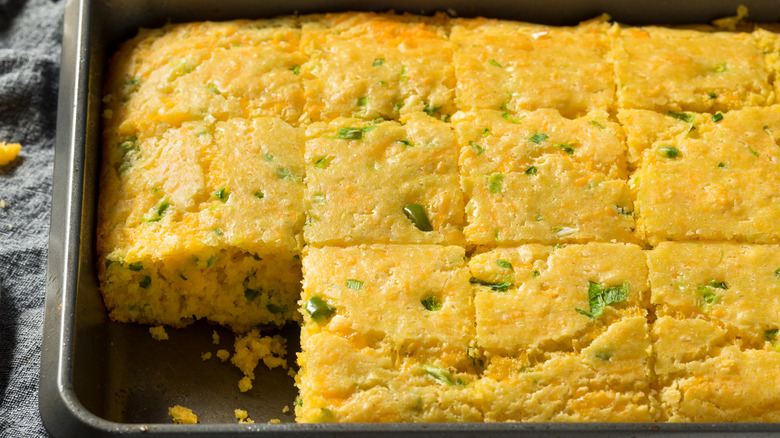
{"points": [[100, 378]]}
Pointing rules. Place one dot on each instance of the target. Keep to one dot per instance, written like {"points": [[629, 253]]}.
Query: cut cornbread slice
{"points": [[533, 298], [715, 342], [187, 72], [736, 285], [553, 201], [203, 221], [416, 299], [494, 141], [519, 66], [664, 70], [607, 381], [737, 139], [369, 65], [707, 375], [706, 177], [363, 178], [340, 381]]}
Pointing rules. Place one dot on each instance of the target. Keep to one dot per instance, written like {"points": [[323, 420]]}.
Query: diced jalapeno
{"points": [[538, 138], [439, 374], [222, 194], [669, 151], [530, 171], [685, 117], [431, 303], [500, 287], [495, 183], [416, 213], [319, 309], [145, 282], [251, 294], [296, 69], [355, 284], [378, 62], [717, 117], [135, 266], [505, 264], [494, 62], [477, 148]]}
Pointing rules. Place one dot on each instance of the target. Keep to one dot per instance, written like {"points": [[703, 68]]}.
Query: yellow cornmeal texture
{"points": [[187, 72], [387, 335], [539, 177], [554, 201], [182, 415], [716, 342], [369, 65], [552, 355], [685, 70], [498, 142], [519, 66], [203, 221], [707, 177], [360, 176]]}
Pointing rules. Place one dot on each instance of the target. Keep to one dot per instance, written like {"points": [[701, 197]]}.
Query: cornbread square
{"points": [[520, 66], [189, 72], [736, 285], [705, 374], [203, 221], [415, 299], [527, 297], [388, 335], [607, 381], [706, 177], [340, 381], [553, 201], [664, 70], [368, 65], [361, 176], [494, 141], [715, 343]]}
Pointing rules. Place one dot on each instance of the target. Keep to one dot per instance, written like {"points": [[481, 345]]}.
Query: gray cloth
{"points": [[30, 34]]}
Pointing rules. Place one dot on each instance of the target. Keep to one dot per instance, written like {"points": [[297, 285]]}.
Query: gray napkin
{"points": [[30, 34]]}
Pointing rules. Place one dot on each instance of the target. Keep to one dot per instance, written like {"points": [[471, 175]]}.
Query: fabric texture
{"points": [[30, 38]]}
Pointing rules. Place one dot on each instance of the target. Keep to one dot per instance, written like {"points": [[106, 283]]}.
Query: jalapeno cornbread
{"points": [[475, 219]]}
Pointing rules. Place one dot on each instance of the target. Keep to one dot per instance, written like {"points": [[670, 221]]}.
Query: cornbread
{"points": [[565, 333], [664, 70], [252, 348], [363, 358], [362, 176], [553, 202], [8, 152], [367, 65], [474, 219], [203, 221], [190, 72], [705, 176], [715, 344], [182, 415], [520, 66]]}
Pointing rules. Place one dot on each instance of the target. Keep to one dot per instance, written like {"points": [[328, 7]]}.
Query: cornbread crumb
{"points": [[274, 421], [215, 337], [8, 152], [158, 333], [182, 415], [245, 384], [205, 356], [2, 203], [291, 372], [243, 417], [285, 409], [223, 355], [251, 349]]}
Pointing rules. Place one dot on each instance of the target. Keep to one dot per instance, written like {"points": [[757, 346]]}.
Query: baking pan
{"points": [[100, 378]]}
